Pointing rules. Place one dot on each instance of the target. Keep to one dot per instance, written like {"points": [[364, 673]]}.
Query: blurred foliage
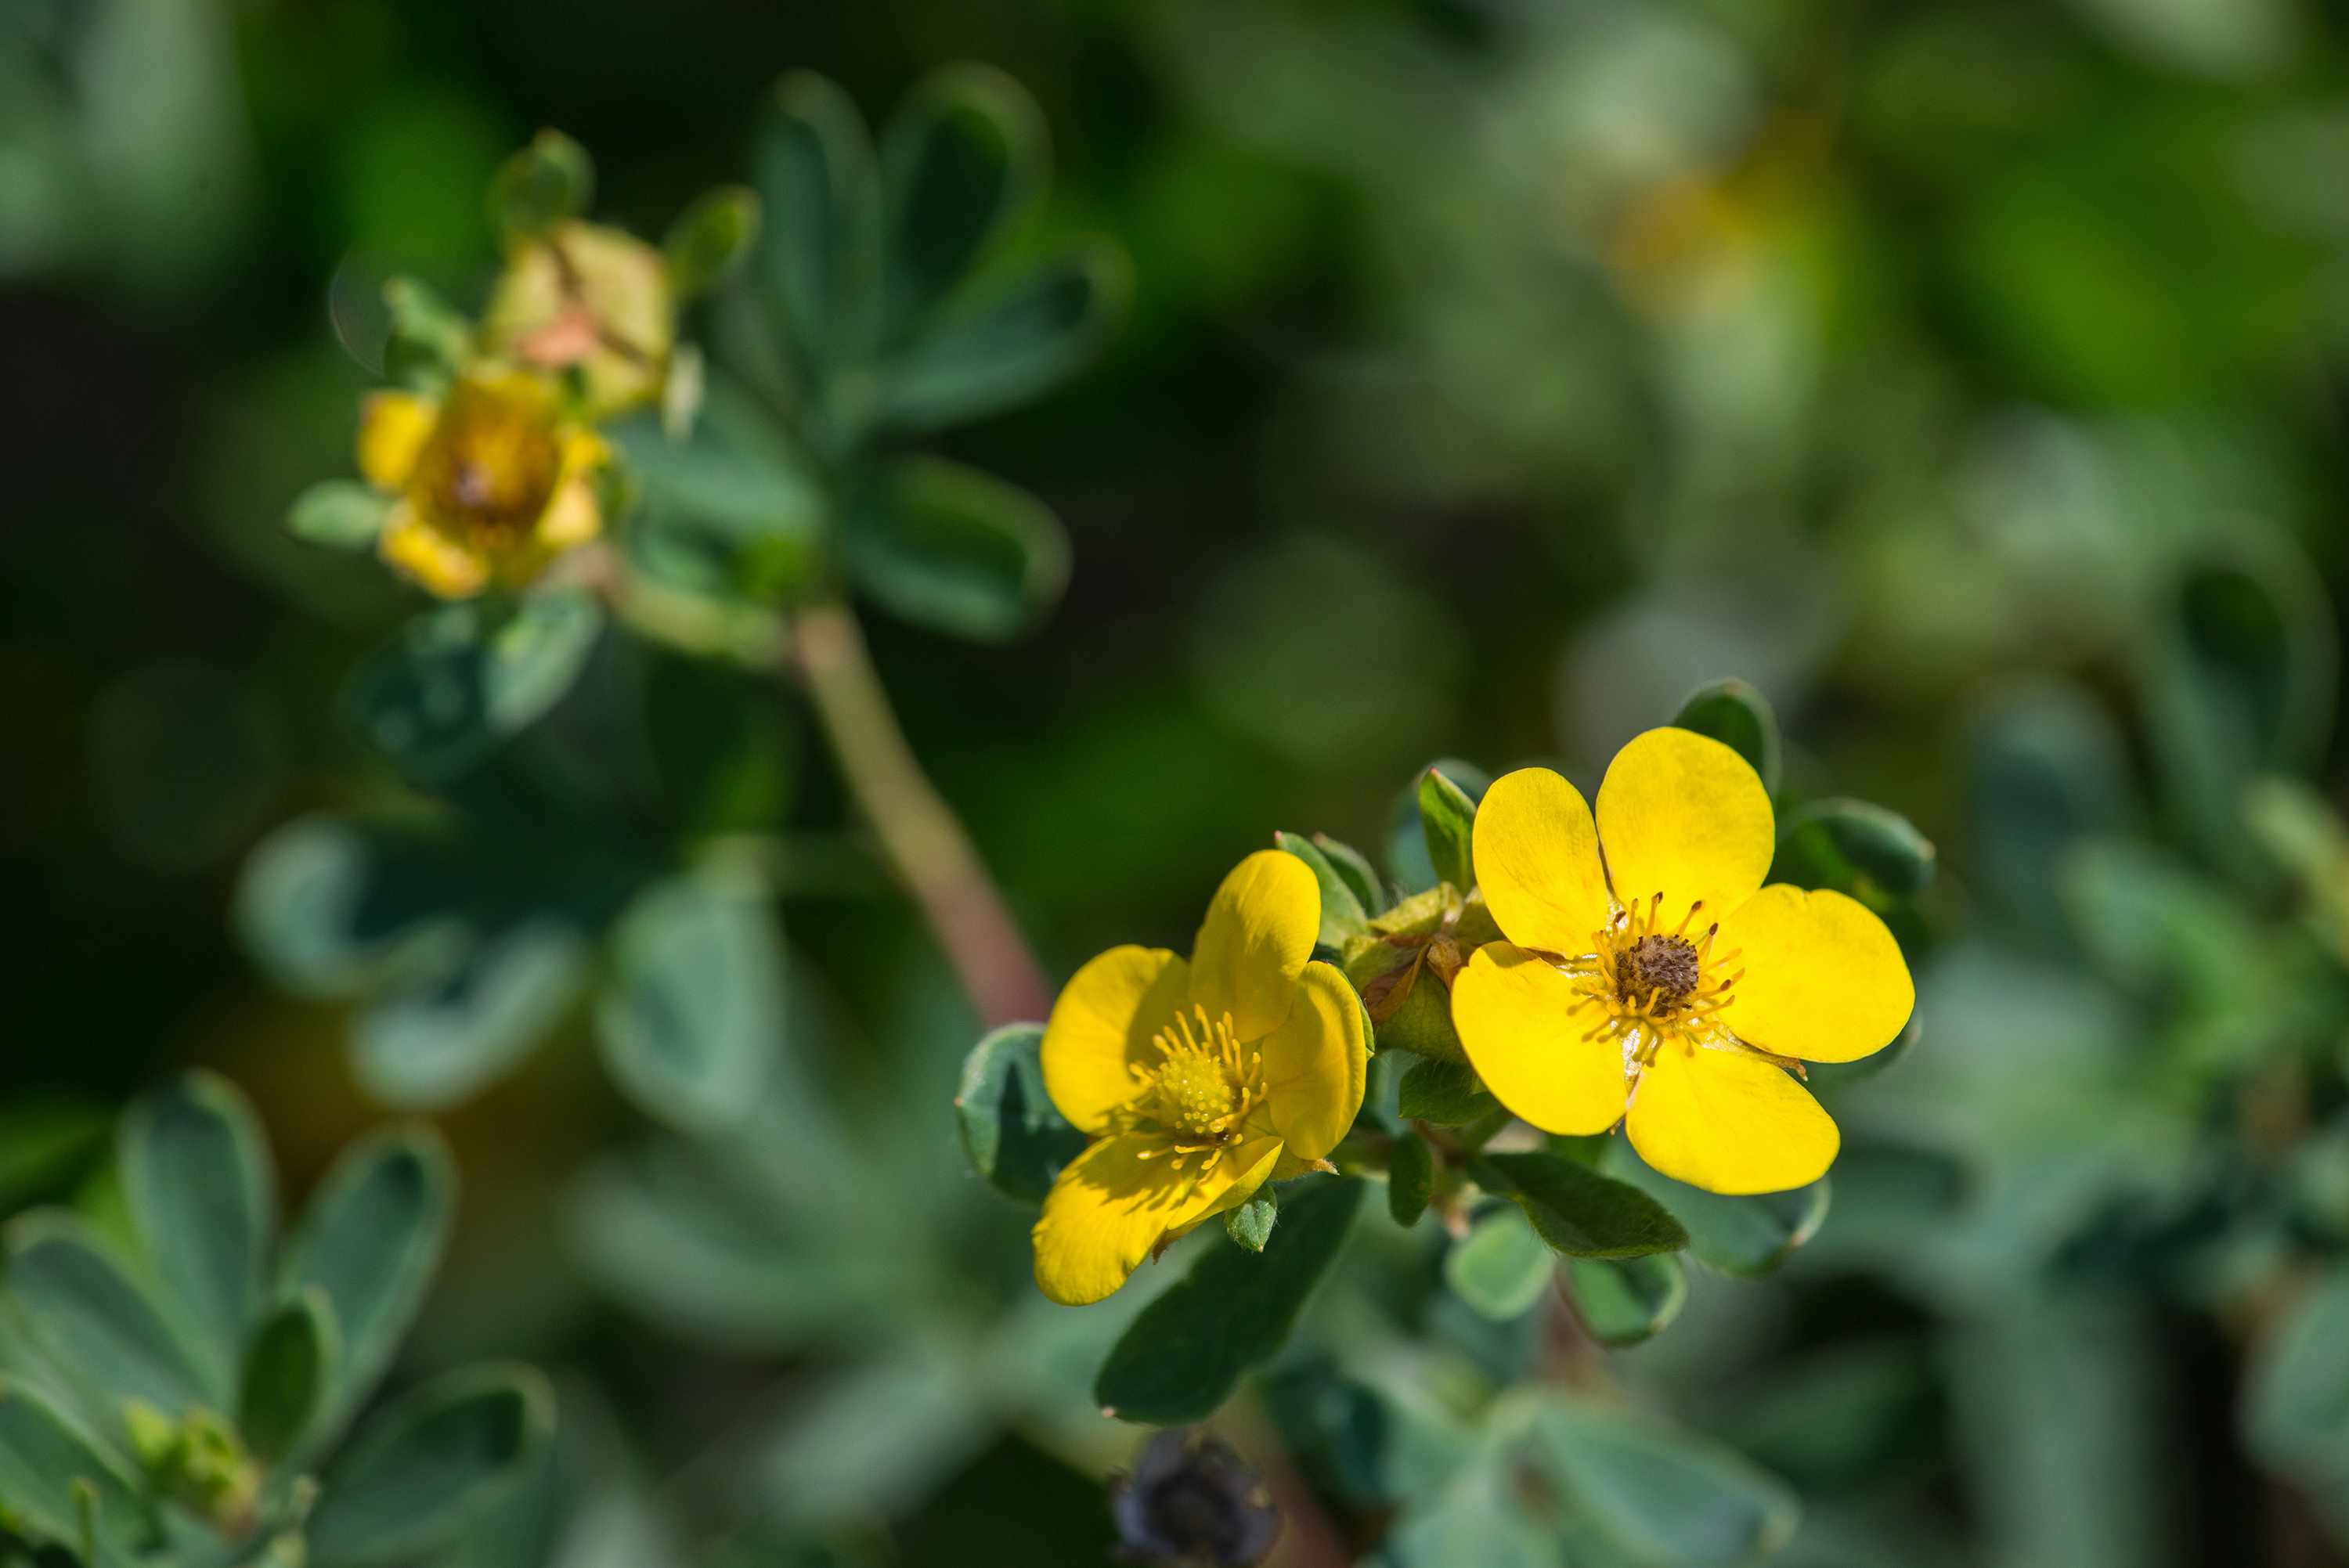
{"points": [[1496, 375]]}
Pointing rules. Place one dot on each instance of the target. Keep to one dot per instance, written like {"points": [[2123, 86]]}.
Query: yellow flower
{"points": [[493, 481], [592, 297], [1664, 976], [1198, 1082]]}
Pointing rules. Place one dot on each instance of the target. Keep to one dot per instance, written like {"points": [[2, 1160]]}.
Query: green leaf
{"points": [[468, 1009], [820, 222], [1749, 1236], [49, 1473], [369, 1242], [1501, 1267], [2296, 1406], [1661, 1496], [324, 903], [1448, 1094], [1181, 1358], [341, 514], [430, 341], [550, 180], [962, 158], [1478, 1522], [950, 548], [1411, 1178], [1010, 344], [417, 1475], [46, 1140], [1342, 915], [1370, 1444], [1448, 817], [1407, 857], [712, 239], [462, 680], [2048, 765], [1014, 1135], [1579, 1211], [1355, 871], [1250, 1224], [289, 1374], [113, 1341], [1624, 1302], [1739, 717], [1857, 848], [197, 1175], [694, 1008]]}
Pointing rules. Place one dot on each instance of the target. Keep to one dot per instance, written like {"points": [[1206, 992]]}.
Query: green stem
{"points": [[924, 845]]}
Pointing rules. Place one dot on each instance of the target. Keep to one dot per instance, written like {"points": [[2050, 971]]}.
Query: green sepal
{"points": [[1402, 964], [1342, 915], [549, 182], [1447, 818], [1251, 1224], [710, 240], [340, 514]]}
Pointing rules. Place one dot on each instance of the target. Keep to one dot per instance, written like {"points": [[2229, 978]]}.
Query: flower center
{"points": [[490, 465], [1200, 1090], [1653, 984]]}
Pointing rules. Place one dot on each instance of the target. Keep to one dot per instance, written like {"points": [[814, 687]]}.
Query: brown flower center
{"points": [[1663, 966]]}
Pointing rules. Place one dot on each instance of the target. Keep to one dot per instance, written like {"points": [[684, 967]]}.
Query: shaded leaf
{"points": [[546, 183], [1741, 1235], [1740, 718], [710, 240], [341, 514], [1448, 1094], [1014, 1135], [1500, 1267], [1368, 1444], [694, 1008], [462, 680], [417, 1474], [1411, 1178], [84, 1309], [1660, 1495], [468, 1009], [1579, 1211], [1625, 1301], [1354, 870], [369, 1242], [1182, 1356], [1852, 846], [963, 156], [289, 1374], [950, 548], [47, 1471], [818, 243], [1007, 346], [203, 1192], [1342, 915]]}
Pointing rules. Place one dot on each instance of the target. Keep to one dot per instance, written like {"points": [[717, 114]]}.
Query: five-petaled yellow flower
{"points": [[1198, 1082], [1664, 979], [493, 481]]}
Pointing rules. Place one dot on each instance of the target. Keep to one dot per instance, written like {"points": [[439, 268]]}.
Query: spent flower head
{"points": [[591, 300], [1197, 1081], [1649, 977], [1192, 1499], [492, 480]]}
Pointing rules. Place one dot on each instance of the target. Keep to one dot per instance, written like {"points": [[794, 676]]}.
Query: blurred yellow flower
{"points": [[1198, 1082], [590, 297], [493, 481], [1664, 979]]}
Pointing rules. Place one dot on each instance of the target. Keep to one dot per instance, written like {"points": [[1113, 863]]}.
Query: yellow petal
{"points": [[1252, 945], [430, 557], [1241, 1171], [572, 517], [1684, 815], [393, 426], [1537, 861], [1102, 1021], [1118, 1199], [1729, 1121], [1314, 1064], [1823, 980], [1516, 1017]]}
